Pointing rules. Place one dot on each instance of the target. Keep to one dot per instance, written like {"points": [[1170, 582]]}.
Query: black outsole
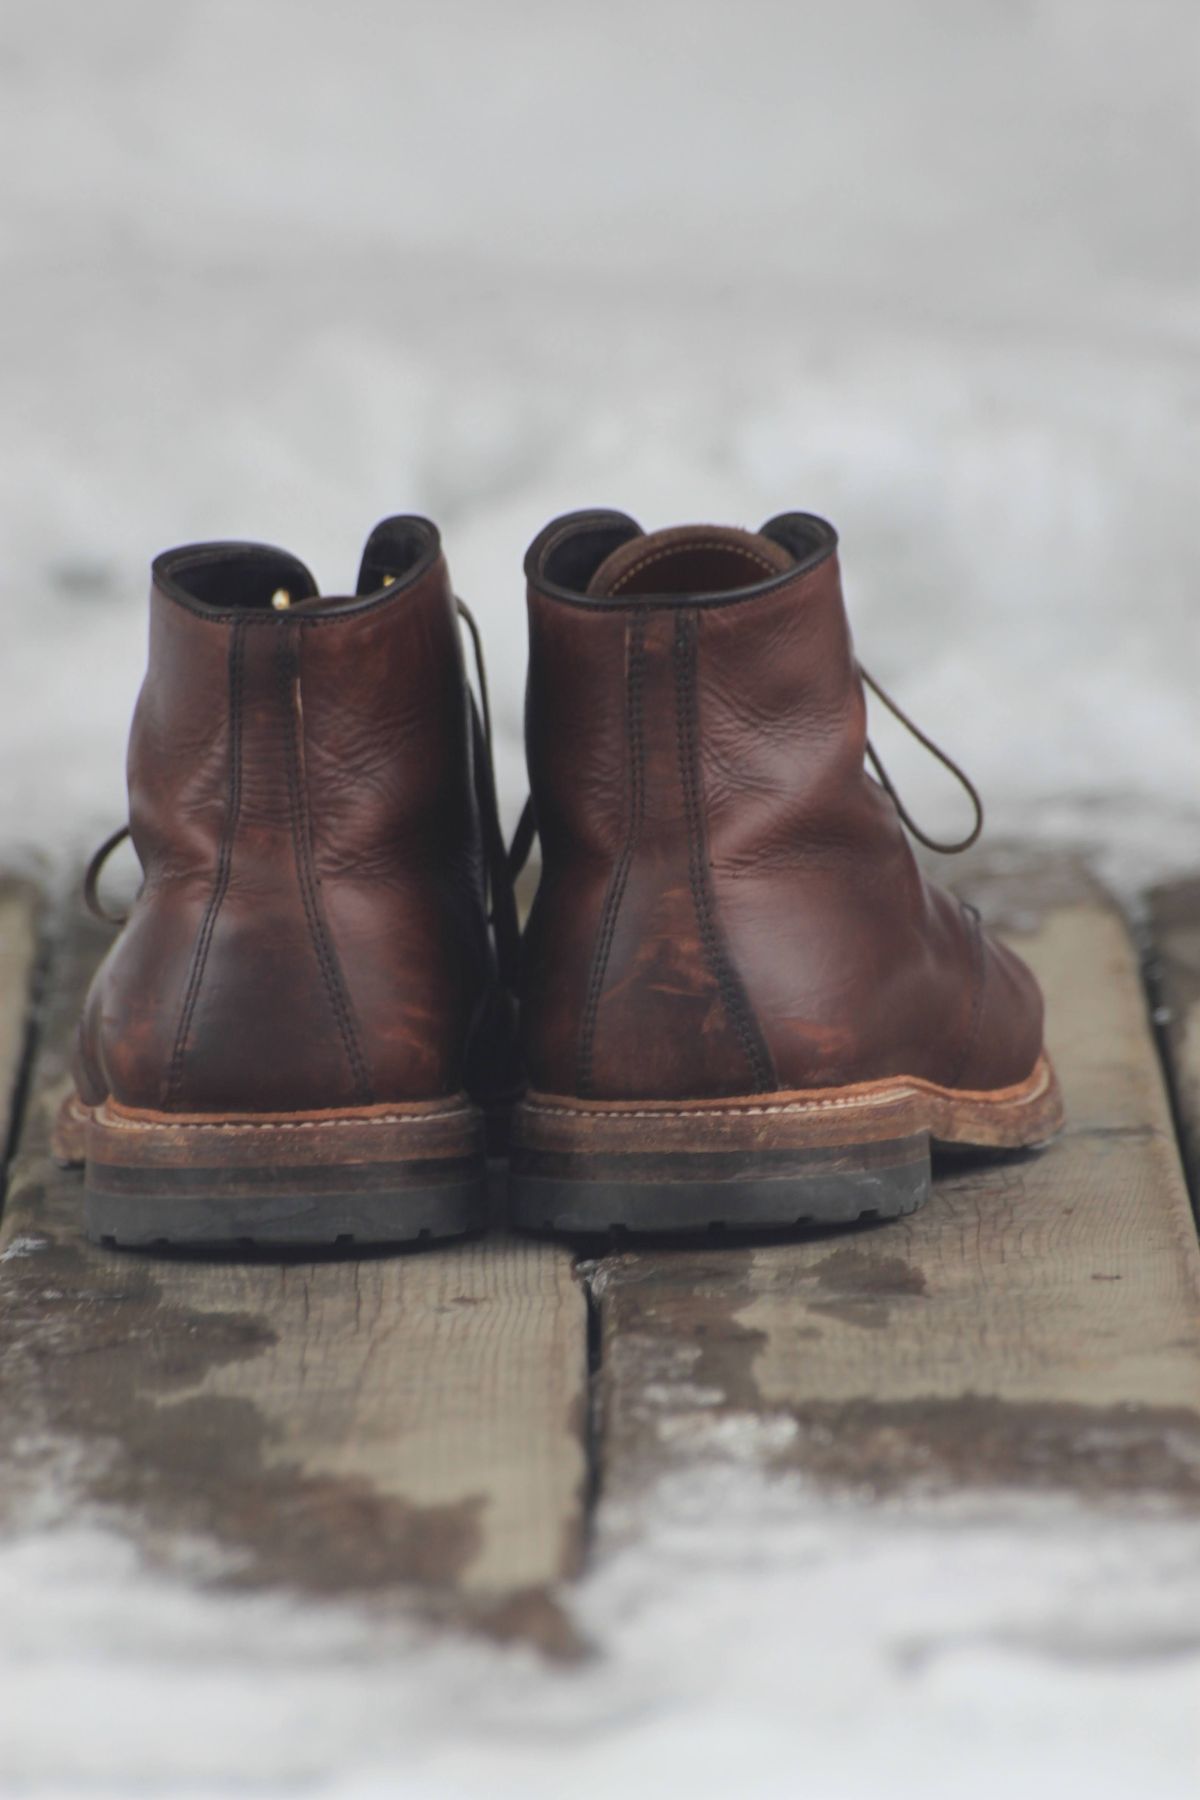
{"points": [[579, 1206], [411, 1215]]}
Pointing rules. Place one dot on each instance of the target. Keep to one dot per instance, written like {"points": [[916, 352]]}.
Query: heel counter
{"points": [[265, 1022], [311, 931], [223, 992], [659, 1010]]}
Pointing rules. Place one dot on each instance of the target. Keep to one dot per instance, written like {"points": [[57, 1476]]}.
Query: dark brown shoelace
{"points": [[503, 866], [947, 762], [91, 879], [526, 830], [502, 903]]}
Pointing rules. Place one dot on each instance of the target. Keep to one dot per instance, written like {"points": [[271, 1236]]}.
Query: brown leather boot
{"points": [[742, 1003], [295, 1036]]}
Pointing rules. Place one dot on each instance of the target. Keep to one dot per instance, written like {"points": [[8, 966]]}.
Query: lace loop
{"points": [[522, 840], [501, 898], [947, 762], [91, 879], [504, 865], [526, 830]]}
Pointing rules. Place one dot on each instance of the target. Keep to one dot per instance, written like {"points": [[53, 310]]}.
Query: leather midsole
{"points": [[1028, 1112], [116, 1137]]}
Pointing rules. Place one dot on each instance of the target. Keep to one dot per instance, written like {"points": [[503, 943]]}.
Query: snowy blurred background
{"points": [[274, 269]]}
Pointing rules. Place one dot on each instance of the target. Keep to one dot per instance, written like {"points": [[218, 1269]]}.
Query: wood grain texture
{"points": [[1037, 1323], [20, 913], [1175, 932], [387, 1421]]}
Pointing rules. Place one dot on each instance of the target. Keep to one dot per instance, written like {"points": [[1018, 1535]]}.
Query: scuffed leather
{"points": [[311, 930], [774, 931]]}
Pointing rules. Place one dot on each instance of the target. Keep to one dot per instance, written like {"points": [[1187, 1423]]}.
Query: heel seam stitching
{"points": [[220, 886], [620, 875], [327, 960], [729, 987]]}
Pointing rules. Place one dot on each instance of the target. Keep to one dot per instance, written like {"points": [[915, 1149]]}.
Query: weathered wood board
{"points": [[350, 1424], [1175, 929], [414, 1425], [1036, 1324]]}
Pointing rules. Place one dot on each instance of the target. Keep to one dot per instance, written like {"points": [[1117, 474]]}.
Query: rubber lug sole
{"points": [[760, 1163], [371, 1176]]}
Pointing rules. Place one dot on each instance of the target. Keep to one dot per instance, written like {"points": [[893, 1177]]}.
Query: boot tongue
{"points": [[689, 559]]}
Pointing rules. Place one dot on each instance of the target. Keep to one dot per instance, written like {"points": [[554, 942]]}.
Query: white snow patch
{"points": [[744, 1437], [757, 1639], [685, 1394], [21, 1247], [757, 280]]}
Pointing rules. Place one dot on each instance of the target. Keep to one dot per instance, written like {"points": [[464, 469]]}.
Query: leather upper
{"points": [[311, 931], [729, 904]]}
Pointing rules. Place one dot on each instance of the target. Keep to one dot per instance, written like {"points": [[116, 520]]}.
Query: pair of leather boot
{"points": [[737, 1001]]}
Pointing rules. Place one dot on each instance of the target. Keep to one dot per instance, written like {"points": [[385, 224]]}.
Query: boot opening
{"points": [[690, 559], [607, 556], [397, 549], [235, 577], [569, 553], [229, 578]]}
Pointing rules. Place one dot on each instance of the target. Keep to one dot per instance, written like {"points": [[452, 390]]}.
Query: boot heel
{"points": [[693, 1170], [757, 1191], [371, 1175], [760, 1163]]}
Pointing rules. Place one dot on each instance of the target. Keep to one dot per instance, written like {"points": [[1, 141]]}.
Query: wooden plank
{"points": [[1036, 1324], [411, 1421], [20, 913], [1175, 935]]}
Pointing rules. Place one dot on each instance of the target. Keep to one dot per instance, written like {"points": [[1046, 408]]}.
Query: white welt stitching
{"points": [[890, 1098], [113, 1123], [715, 1112]]}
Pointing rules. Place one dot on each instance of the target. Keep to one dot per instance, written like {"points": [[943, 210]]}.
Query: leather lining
{"points": [[563, 560], [687, 557], [228, 581]]}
